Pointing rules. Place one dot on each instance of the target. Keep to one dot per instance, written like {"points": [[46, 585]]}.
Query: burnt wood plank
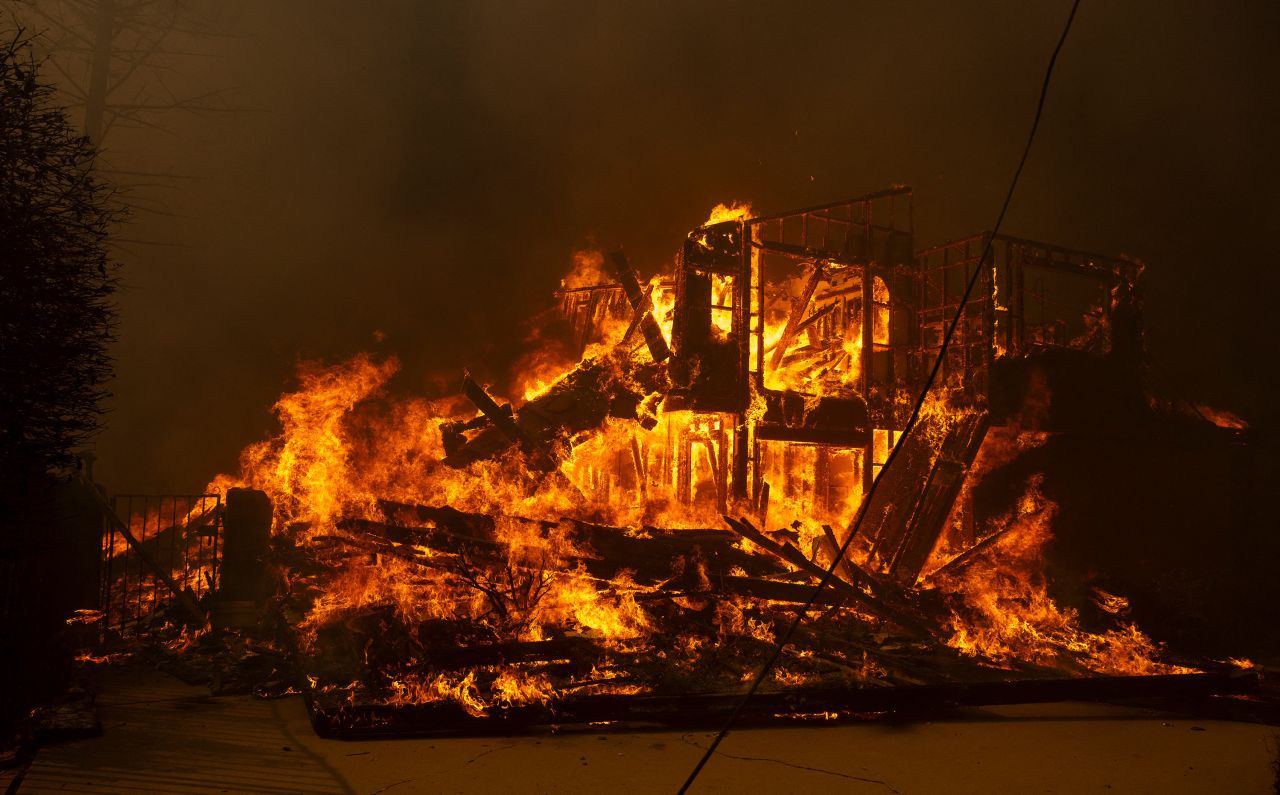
{"points": [[650, 556], [947, 476], [797, 314], [914, 496], [641, 306], [899, 615], [575, 649]]}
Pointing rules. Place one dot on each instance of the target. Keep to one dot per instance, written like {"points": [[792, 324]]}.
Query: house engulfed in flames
{"points": [[798, 345], [647, 513]]}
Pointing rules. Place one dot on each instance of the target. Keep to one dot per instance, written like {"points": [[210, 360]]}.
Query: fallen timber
{"points": [[869, 602], [606, 551], [715, 584], [915, 673], [650, 559], [641, 305], [354, 721]]}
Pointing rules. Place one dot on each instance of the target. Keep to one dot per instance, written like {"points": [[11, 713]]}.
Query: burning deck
{"points": [[625, 537]]}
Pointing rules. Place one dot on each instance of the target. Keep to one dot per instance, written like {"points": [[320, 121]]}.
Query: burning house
{"points": [[425, 393], [626, 536]]}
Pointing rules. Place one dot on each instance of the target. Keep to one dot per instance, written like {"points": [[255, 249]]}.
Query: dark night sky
{"points": [[426, 169]]}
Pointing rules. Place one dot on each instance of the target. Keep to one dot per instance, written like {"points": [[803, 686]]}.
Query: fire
{"points": [[477, 691], [1222, 418], [588, 270], [733, 211], [1002, 611], [309, 471], [591, 435]]}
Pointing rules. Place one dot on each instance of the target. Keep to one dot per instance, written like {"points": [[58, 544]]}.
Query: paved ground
{"points": [[161, 735]]}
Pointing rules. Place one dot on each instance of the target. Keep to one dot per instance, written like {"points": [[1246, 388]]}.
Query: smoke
{"points": [[425, 170]]}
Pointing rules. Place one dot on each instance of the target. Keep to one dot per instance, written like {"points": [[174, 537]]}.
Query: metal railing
{"points": [[1029, 295], [181, 532]]}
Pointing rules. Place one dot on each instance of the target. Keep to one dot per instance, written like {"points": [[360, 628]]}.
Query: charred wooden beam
{"points": [[433, 538], [806, 253], [501, 419], [638, 314], [830, 437], [762, 502], [797, 315], [615, 385], [833, 547], [474, 525], [830, 420], [772, 590], [658, 549], [784, 552], [795, 557], [911, 501], [655, 557], [637, 460], [575, 649], [959, 449], [974, 552], [816, 316], [652, 556], [641, 305]]}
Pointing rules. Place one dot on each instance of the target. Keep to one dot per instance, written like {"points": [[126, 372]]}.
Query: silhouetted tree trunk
{"points": [[95, 102], [110, 56]]}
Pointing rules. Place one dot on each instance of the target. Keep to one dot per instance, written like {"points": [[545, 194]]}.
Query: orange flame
{"points": [[347, 440]]}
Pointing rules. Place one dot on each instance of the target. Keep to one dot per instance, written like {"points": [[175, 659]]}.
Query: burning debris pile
{"points": [[627, 536]]}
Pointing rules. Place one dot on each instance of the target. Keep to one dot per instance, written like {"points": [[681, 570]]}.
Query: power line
{"points": [[911, 423]]}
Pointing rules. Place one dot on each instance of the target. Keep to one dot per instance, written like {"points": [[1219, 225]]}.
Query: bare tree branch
{"points": [[124, 63]]}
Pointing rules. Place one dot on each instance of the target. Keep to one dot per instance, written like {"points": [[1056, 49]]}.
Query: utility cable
{"points": [[911, 423]]}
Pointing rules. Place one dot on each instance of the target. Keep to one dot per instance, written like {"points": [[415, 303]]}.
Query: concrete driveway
{"points": [[161, 735]]}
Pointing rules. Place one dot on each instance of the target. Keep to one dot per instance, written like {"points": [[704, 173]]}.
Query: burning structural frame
{"points": [[833, 298], [664, 496], [736, 372]]}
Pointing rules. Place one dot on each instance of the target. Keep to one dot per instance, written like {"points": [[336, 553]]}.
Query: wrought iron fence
{"points": [[181, 532]]}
